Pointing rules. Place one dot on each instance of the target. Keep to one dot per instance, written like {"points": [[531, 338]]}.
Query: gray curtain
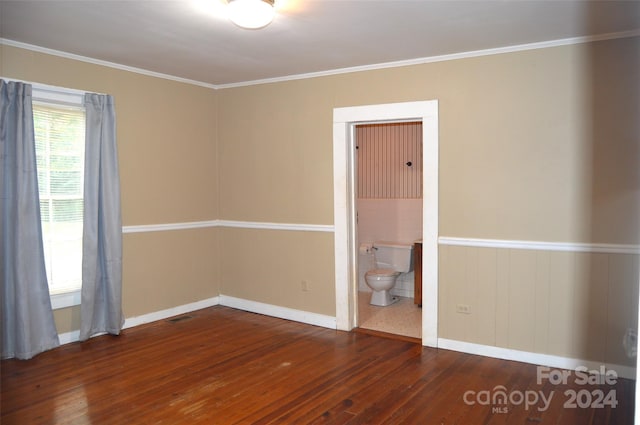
{"points": [[101, 308], [27, 319]]}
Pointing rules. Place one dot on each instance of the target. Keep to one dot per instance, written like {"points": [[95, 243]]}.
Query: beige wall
{"points": [[167, 153], [540, 145], [537, 145], [269, 266]]}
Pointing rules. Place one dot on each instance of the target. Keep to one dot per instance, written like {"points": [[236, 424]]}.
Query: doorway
{"points": [[389, 208], [345, 237]]}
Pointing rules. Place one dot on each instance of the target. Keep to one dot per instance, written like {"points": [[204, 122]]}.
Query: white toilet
{"points": [[391, 259]]}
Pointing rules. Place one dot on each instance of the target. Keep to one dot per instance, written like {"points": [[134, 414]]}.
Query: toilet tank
{"points": [[394, 255]]}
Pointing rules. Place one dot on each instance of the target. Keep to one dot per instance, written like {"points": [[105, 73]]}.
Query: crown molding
{"points": [[66, 55], [440, 58], [384, 65]]}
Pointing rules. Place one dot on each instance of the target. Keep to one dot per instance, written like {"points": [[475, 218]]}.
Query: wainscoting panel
{"points": [[570, 304]]}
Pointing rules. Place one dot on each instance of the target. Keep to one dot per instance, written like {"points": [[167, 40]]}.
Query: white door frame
{"points": [[346, 275]]}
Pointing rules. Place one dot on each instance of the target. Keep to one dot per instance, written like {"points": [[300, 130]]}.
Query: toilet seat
{"points": [[382, 272]]}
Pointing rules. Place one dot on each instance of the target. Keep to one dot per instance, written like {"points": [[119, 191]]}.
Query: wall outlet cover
{"points": [[463, 308]]}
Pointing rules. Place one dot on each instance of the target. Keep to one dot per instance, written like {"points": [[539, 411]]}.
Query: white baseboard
{"points": [[74, 336], [170, 312], [281, 312], [69, 337], [330, 322], [533, 358], [239, 303]]}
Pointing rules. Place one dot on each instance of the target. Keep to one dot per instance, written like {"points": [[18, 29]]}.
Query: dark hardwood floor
{"points": [[225, 366]]}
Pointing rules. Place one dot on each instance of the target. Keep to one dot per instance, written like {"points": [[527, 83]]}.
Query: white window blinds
{"points": [[60, 133]]}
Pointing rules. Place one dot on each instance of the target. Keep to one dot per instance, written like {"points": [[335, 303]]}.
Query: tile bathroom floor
{"points": [[400, 318]]}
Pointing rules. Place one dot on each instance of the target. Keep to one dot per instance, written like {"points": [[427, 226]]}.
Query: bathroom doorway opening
{"points": [[345, 121], [388, 192]]}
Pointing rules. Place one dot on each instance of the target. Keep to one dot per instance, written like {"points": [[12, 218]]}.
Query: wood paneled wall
{"points": [[570, 304], [383, 154]]}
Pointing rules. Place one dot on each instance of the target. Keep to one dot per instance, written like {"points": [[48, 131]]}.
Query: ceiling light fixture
{"points": [[251, 14]]}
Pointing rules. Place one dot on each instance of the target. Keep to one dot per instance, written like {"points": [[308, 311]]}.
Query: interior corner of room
{"points": [[535, 237]]}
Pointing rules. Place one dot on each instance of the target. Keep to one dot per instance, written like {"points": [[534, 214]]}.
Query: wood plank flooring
{"points": [[225, 366]]}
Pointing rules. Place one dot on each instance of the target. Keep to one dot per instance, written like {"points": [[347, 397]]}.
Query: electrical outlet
{"points": [[463, 308], [306, 287]]}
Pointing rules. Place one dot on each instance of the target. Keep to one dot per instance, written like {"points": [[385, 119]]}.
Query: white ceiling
{"points": [[192, 39]]}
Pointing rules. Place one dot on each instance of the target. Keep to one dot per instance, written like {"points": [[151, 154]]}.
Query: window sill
{"points": [[65, 299]]}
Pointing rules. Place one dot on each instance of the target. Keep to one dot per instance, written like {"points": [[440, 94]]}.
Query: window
{"points": [[60, 133]]}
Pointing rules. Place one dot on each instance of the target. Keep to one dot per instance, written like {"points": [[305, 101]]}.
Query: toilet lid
{"points": [[383, 272]]}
